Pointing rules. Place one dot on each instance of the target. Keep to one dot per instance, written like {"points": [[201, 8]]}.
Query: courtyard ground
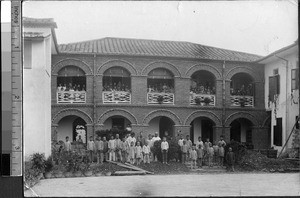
{"points": [[223, 184]]}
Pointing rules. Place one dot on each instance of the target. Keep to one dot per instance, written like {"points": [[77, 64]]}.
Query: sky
{"points": [[258, 27]]}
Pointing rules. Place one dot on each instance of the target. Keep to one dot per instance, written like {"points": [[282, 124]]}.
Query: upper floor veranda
{"points": [[120, 80]]}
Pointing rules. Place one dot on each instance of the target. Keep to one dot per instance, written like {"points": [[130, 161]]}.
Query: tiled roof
{"points": [[39, 22], [139, 47]]}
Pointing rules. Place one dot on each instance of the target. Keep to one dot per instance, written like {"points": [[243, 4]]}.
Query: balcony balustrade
{"points": [[166, 98], [71, 96], [211, 99], [114, 97], [247, 101]]}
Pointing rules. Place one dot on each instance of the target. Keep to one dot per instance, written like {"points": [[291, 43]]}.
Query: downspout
{"points": [[94, 97], [286, 96], [223, 99]]}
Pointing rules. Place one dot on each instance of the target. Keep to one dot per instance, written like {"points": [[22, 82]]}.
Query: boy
{"points": [[99, 148], [230, 158], [112, 148], [210, 153], [221, 154], [146, 151], [193, 157], [118, 148], [132, 152], [124, 150], [200, 155], [189, 144], [184, 150], [139, 153], [205, 149], [91, 149], [67, 146], [164, 149], [216, 151], [180, 143]]}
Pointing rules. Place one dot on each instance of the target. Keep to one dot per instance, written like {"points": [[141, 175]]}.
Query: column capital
{"points": [[218, 127], [54, 125], [89, 125]]}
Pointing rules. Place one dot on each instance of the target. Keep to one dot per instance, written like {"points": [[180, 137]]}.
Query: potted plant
{"points": [[87, 170], [198, 101], [160, 99], [242, 101], [207, 100], [48, 168]]}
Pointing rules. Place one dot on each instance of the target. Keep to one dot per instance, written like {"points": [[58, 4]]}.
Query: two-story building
{"points": [[157, 86]]}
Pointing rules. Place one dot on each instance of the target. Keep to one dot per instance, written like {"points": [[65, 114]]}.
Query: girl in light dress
{"points": [[131, 152], [139, 153]]}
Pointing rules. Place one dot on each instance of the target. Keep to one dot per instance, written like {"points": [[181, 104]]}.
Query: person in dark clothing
{"points": [[230, 158]]}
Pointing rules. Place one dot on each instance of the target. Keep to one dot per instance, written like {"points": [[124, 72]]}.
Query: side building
{"points": [[39, 43], [158, 86], [282, 94]]}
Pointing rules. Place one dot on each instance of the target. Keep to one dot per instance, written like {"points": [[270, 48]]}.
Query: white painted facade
{"points": [[288, 99], [37, 91]]}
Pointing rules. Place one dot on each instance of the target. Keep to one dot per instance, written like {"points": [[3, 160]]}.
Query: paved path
{"points": [[236, 184]]}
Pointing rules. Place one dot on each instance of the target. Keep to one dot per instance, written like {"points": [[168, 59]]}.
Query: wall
{"points": [[37, 100], [285, 103]]}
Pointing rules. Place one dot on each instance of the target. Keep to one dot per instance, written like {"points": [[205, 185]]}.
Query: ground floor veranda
{"points": [[247, 126]]}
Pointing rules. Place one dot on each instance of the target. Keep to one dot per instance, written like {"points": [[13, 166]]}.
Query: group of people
{"points": [[160, 88], [242, 91], [204, 152], [70, 87], [201, 89], [116, 87], [129, 149]]}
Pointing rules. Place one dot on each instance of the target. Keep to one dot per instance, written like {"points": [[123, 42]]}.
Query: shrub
{"points": [[198, 101], [172, 152], [48, 164], [38, 162]]}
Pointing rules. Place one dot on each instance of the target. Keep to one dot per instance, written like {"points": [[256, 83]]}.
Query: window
{"points": [[295, 77], [274, 86], [27, 55], [275, 72], [278, 132]]}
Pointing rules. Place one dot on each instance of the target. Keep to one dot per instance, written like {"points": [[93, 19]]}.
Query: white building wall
{"points": [[287, 110], [37, 96]]}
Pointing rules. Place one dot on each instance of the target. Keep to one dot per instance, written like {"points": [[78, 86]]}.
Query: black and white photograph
{"points": [[160, 98]]}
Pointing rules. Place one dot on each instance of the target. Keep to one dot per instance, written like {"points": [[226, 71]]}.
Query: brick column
{"points": [[138, 89], [219, 94], [217, 132], [259, 137], [182, 91], [226, 134], [89, 88], [54, 132], [98, 89], [53, 88], [89, 131], [227, 92]]}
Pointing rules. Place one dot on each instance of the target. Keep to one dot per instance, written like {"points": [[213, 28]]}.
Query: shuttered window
{"points": [[295, 77], [274, 86]]}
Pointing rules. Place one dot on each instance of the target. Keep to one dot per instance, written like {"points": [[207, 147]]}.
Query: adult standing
{"points": [[222, 141], [180, 143], [154, 139], [118, 148]]}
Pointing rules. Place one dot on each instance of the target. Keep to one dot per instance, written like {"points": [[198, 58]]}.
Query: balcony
{"points": [[70, 97], [115, 97], [166, 98], [246, 101], [211, 101]]}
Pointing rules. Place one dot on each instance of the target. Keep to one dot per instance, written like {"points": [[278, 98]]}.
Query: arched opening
{"points": [[203, 88], [203, 127], [72, 126], [71, 83], [241, 131], [160, 85], [116, 85], [114, 125], [163, 125], [242, 90]]}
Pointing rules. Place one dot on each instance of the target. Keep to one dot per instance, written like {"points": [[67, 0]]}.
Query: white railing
{"points": [[202, 99], [168, 98], [110, 97], [247, 101], [71, 96]]}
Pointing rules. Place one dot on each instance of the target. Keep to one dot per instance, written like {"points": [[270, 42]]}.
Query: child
{"points": [[230, 159], [189, 144], [205, 149], [216, 149], [146, 152], [105, 149], [210, 153], [200, 155], [184, 150], [118, 151], [112, 148], [91, 148], [99, 146], [193, 157], [124, 150], [138, 151], [131, 152], [221, 154], [164, 149], [67, 145]]}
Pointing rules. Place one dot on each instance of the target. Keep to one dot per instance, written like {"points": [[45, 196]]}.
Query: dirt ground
{"points": [[223, 184]]}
